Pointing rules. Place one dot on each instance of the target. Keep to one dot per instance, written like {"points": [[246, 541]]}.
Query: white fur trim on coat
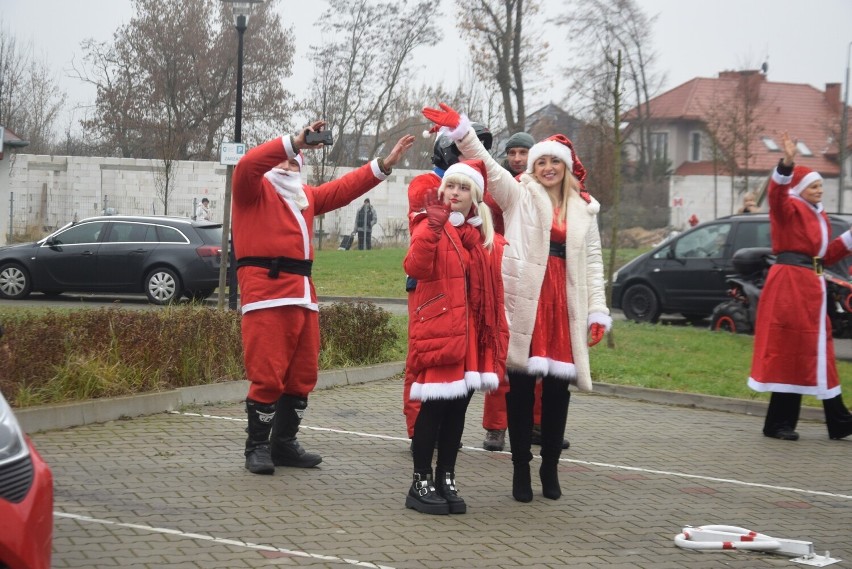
{"points": [[600, 318], [461, 129], [781, 179], [444, 390], [490, 381]]}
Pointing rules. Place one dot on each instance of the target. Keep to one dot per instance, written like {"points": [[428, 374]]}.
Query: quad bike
{"points": [[739, 313]]}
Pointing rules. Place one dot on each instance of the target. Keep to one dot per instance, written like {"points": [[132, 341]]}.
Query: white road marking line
{"points": [[574, 461], [222, 541]]}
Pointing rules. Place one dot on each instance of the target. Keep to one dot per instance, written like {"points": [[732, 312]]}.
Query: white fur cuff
{"points": [[460, 130], [601, 318]]}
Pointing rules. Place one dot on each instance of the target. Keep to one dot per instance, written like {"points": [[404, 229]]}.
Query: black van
{"points": [[686, 274]]}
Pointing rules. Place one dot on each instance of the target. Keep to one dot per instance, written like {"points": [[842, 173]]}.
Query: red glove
{"points": [[437, 212], [596, 333], [447, 116]]}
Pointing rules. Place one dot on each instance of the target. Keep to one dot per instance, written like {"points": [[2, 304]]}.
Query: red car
{"points": [[26, 498]]}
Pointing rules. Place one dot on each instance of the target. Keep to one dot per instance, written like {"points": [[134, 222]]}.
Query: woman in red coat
{"points": [[793, 349], [458, 331]]}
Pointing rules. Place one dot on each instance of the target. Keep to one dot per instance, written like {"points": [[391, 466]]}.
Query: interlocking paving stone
{"points": [[635, 474]]}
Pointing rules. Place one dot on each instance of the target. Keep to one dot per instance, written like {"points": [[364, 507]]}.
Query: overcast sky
{"points": [[805, 42]]}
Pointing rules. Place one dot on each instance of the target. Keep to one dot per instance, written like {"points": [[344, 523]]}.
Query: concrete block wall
{"points": [[45, 192]]}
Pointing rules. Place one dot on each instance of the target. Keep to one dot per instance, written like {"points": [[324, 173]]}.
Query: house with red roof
{"points": [[720, 139]]}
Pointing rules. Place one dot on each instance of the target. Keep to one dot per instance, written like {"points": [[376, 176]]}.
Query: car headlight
{"points": [[12, 444]]}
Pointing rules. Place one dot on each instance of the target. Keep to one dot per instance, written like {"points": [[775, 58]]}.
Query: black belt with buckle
{"points": [[800, 260], [278, 264], [557, 249]]}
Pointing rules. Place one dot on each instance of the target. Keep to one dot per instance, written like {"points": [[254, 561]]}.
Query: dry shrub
{"points": [[354, 333]]}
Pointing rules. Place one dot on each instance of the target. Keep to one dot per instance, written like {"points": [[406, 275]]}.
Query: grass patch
{"points": [[684, 359], [379, 273]]}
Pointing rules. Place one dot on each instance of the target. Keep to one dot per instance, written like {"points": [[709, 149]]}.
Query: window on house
{"points": [[803, 149], [660, 146], [695, 146], [770, 144]]}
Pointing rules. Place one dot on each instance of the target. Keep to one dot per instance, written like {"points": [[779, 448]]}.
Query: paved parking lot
{"points": [[169, 490]]}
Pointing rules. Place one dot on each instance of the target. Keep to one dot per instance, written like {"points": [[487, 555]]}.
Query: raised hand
{"points": [[596, 333], [790, 148], [437, 212], [401, 147], [299, 139], [445, 116]]}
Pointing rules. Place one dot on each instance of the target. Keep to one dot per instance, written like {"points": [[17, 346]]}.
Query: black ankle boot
{"points": [[258, 457], [445, 484], [521, 483], [549, 473], [837, 418], [424, 497], [286, 450]]}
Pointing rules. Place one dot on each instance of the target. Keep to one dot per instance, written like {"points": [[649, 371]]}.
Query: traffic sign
{"points": [[231, 152]]}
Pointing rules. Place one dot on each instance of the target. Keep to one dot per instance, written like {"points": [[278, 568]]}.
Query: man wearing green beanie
{"points": [[517, 148]]}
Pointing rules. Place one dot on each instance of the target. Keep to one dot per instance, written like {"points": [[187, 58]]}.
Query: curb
{"points": [[66, 415]]}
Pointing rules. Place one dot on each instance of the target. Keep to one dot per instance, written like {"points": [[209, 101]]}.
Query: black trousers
{"points": [[365, 239], [441, 421], [784, 408], [520, 399]]}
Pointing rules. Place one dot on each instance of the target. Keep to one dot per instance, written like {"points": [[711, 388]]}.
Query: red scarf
{"points": [[482, 288]]}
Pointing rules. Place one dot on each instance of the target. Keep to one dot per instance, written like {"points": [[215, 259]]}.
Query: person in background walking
{"points": [[273, 213], [459, 332], [793, 347], [554, 290], [365, 219], [202, 212]]}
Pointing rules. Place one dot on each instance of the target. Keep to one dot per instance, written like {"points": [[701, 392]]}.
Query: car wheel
{"points": [[640, 304], [15, 282], [199, 295], [162, 286], [731, 316]]}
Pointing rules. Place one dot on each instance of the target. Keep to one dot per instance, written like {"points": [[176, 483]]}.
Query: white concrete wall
{"points": [[50, 191]]}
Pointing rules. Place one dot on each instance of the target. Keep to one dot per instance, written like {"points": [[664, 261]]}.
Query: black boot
{"points": [[286, 450], [424, 497], [519, 411], [445, 483], [260, 418], [782, 416], [536, 438], [837, 418], [554, 414]]}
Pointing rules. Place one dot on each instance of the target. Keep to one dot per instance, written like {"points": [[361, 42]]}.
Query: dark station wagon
{"points": [[164, 257], [686, 274]]}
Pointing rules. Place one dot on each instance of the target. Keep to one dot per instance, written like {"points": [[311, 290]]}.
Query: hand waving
{"points": [[401, 147], [446, 116], [437, 212]]}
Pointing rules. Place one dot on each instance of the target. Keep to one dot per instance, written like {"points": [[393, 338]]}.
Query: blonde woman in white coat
{"points": [[554, 290]]}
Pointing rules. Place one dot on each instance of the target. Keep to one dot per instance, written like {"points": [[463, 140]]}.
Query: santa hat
{"points": [[561, 147], [802, 178], [473, 169]]}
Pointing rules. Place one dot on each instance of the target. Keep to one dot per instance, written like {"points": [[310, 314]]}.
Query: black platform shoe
{"points": [[783, 433], [445, 483], [424, 497]]}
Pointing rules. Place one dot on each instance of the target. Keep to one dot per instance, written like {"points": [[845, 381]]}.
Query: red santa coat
{"points": [[441, 331], [267, 225], [793, 348]]}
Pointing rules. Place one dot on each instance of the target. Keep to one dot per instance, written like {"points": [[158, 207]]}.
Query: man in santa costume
{"points": [[793, 348], [273, 214]]}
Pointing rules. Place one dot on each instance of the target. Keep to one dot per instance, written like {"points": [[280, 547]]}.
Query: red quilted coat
{"points": [[443, 349], [793, 349]]}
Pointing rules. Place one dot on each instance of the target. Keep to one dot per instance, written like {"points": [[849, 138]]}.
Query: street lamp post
{"points": [[242, 10], [844, 128]]}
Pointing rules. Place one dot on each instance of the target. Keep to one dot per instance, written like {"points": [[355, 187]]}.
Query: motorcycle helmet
{"points": [[446, 153]]}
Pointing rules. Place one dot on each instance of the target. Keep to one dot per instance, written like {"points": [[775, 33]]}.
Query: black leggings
{"points": [[440, 420]]}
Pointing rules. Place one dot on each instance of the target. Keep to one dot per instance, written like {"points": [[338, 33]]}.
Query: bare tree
{"points": [[30, 97], [362, 73], [160, 74], [619, 25], [504, 48]]}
